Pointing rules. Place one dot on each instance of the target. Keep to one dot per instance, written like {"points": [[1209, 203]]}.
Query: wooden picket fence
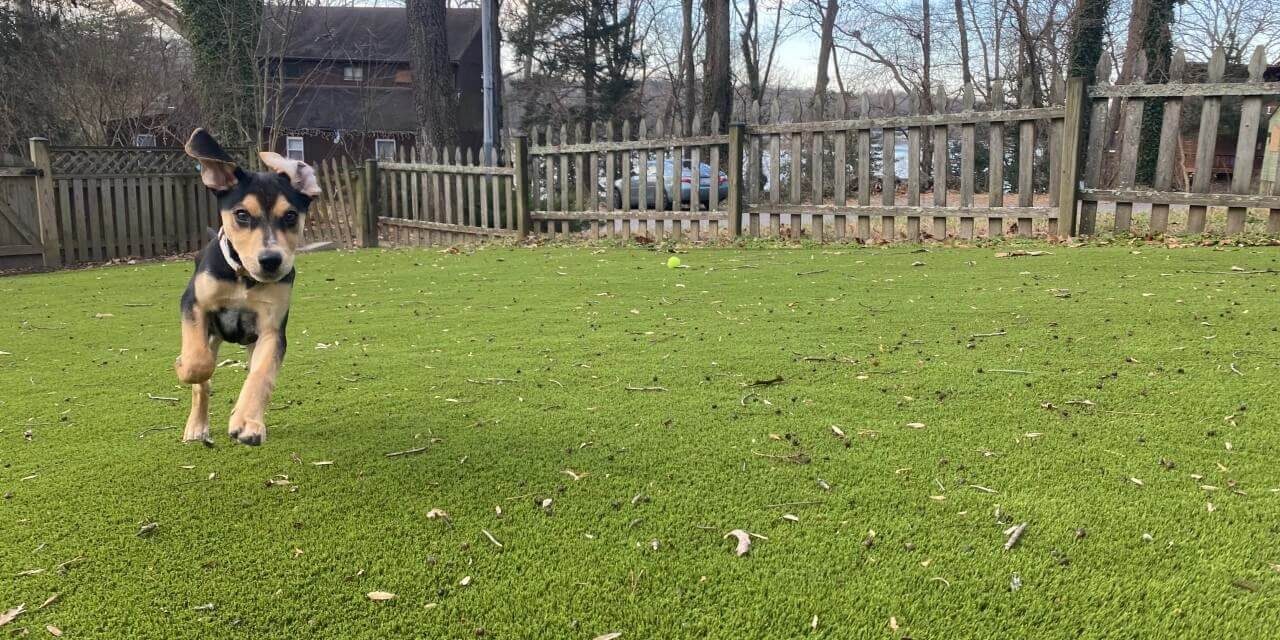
{"points": [[1115, 181], [824, 180], [838, 180], [110, 203]]}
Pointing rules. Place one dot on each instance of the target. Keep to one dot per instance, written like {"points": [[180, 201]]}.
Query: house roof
{"points": [[387, 109], [354, 33]]}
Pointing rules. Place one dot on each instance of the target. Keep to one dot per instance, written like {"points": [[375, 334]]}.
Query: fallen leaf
{"points": [[1138, 482], [148, 529], [53, 631], [297, 552], [29, 572], [744, 542], [915, 425], [465, 581], [381, 596], [322, 463], [8, 616], [893, 623], [100, 316], [613, 635], [836, 430], [813, 624], [437, 513], [574, 474], [790, 517], [48, 601]]}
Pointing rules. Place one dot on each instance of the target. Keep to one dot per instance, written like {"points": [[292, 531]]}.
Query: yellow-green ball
{"points": [[673, 262]]}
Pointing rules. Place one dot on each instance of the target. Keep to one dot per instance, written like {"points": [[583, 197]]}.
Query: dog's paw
{"points": [[196, 431], [194, 369], [247, 431]]}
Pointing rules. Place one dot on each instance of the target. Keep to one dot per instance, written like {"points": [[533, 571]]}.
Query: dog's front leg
{"points": [[198, 421], [248, 419], [196, 362]]}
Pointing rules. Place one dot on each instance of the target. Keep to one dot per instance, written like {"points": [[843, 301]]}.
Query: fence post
{"points": [[736, 131], [49, 241], [1073, 130], [370, 206], [520, 160]]}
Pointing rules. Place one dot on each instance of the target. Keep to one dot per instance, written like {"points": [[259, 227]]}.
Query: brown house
{"points": [[340, 83]]}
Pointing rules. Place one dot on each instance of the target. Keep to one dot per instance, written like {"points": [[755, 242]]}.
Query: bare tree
{"points": [[967, 75], [826, 44], [1235, 25]]}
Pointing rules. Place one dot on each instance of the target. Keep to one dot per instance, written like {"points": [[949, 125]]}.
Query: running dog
{"points": [[242, 282]]}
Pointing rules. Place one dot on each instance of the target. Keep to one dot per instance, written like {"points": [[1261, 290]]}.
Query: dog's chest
{"points": [[238, 325]]}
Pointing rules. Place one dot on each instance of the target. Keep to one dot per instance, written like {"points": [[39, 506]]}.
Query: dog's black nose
{"points": [[270, 261]]}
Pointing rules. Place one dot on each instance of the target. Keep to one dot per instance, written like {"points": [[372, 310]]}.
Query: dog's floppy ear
{"points": [[218, 170], [300, 174]]}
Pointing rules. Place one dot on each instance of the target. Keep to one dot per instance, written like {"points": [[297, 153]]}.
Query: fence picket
{"points": [[1206, 143], [1130, 135], [775, 173], [940, 170], [914, 161], [968, 135], [1057, 92], [754, 172], [995, 161], [1246, 140], [1099, 132]]}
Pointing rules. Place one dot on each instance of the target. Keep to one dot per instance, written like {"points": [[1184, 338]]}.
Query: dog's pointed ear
{"points": [[218, 170], [300, 174]]}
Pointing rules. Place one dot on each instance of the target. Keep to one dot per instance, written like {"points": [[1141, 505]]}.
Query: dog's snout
{"points": [[270, 261]]}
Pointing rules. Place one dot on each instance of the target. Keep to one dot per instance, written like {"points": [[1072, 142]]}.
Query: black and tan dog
{"points": [[243, 280]]}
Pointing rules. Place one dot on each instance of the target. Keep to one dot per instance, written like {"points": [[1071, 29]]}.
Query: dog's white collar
{"points": [[224, 243]]}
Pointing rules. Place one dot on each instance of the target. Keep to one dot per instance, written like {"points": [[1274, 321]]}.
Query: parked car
{"points": [[686, 186]]}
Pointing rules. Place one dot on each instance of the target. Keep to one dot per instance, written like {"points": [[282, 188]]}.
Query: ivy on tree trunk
{"points": [[223, 35]]}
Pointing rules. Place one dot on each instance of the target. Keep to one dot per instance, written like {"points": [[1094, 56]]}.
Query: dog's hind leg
{"points": [[198, 421]]}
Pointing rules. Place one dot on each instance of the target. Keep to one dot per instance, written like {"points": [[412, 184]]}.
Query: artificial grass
{"points": [[512, 366]]}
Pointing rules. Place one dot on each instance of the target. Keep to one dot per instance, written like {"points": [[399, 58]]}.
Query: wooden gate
{"points": [[428, 198], [20, 244]]}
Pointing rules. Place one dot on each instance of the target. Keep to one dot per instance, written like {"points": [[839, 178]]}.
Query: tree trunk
{"points": [[1157, 42], [223, 35], [750, 39], [926, 93], [824, 57], [717, 84], [1088, 29], [686, 64], [966, 74], [434, 95]]}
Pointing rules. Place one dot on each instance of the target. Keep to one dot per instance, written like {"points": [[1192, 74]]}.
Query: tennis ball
{"points": [[673, 262]]}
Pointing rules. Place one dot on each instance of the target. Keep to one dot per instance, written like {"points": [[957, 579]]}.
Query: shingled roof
{"points": [[374, 34]]}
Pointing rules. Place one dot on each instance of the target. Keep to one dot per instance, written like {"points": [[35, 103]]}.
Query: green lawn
{"points": [[512, 367]]}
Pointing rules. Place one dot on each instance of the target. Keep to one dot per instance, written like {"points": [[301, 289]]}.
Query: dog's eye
{"points": [[243, 216], [290, 218]]}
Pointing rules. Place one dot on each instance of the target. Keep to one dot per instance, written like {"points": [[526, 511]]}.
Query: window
{"points": [[384, 149], [404, 76], [292, 70], [353, 73], [293, 148], [144, 140]]}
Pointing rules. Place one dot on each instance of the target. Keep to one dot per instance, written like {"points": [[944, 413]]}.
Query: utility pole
{"points": [[487, 38]]}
